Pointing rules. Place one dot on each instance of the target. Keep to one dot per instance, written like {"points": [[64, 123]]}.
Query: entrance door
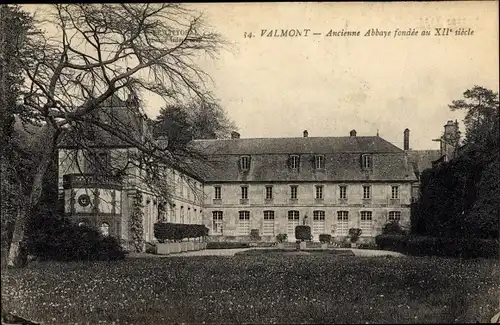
{"points": [[293, 221], [318, 224]]}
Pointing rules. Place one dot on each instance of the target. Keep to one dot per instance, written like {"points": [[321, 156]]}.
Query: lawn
{"points": [[267, 288]]}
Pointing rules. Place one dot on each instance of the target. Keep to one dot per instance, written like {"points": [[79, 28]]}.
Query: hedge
{"points": [[281, 238], [60, 240], [325, 238], [303, 233], [439, 246], [177, 231], [226, 245]]}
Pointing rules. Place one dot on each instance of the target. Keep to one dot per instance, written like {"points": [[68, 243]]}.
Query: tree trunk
{"points": [[17, 252]]}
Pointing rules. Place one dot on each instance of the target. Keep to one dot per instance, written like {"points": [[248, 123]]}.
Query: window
{"points": [[343, 192], [217, 222], [293, 192], [244, 223], [268, 225], [294, 162], [342, 223], [105, 229], [319, 162], [84, 200], [319, 191], [182, 214], [395, 192], [173, 214], [293, 221], [395, 216], [366, 161], [366, 223], [217, 192], [366, 192], [244, 192], [269, 192], [245, 162], [318, 223]]}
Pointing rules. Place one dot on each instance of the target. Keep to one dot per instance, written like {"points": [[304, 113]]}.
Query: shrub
{"points": [[281, 238], [226, 245], [303, 233], [393, 227], [325, 238], [439, 246], [254, 234], [354, 234], [55, 238], [394, 242]]}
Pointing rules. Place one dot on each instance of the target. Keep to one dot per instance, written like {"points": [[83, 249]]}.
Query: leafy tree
{"points": [[196, 120], [461, 198], [15, 144], [102, 51], [481, 116]]}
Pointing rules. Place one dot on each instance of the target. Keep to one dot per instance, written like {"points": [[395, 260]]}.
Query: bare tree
{"points": [[101, 51]]}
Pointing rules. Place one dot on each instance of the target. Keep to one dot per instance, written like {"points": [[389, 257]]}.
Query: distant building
{"points": [[424, 159]]}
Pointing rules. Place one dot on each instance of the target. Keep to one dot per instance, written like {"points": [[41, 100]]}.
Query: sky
{"points": [[328, 85]]}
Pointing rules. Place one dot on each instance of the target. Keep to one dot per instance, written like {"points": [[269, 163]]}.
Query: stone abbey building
{"points": [[268, 184]]}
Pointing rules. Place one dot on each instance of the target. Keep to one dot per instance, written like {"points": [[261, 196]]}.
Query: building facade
{"points": [[100, 186], [332, 184]]}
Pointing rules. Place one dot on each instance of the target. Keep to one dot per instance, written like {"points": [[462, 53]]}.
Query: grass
{"points": [[293, 251], [270, 288]]}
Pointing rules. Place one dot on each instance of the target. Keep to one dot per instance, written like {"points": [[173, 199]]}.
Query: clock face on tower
{"points": [[84, 200]]}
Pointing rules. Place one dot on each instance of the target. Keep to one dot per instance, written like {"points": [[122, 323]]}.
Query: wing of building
{"points": [[329, 183], [240, 185]]}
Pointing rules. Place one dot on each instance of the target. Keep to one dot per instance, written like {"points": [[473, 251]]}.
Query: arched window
{"points": [[105, 229]]}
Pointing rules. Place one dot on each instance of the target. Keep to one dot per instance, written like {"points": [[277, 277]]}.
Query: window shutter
{"points": [[239, 163], [361, 161], [289, 162]]}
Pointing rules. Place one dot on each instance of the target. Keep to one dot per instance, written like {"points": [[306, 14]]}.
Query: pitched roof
{"points": [[422, 159], [301, 145], [339, 167], [269, 159]]}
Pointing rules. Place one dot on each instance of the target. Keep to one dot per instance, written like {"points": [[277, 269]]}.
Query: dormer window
{"points": [[245, 162], [319, 162], [366, 161], [294, 161]]}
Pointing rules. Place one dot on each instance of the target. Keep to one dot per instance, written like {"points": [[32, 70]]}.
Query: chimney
{"points": [[406, 140], [235, 135], [451, 129], [306, 133], [352, 133]]}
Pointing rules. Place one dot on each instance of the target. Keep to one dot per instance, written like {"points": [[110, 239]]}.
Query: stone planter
{"points": [[281, 245], [190, 246], [302, 245], [163, 249], [354, 245], [324, 245], [175, 247]]}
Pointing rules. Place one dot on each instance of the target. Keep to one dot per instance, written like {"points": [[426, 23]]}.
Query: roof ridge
{"points": [[275, 138]]}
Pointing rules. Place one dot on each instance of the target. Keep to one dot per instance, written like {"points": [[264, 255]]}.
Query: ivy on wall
{"points": [[136, 226]]}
